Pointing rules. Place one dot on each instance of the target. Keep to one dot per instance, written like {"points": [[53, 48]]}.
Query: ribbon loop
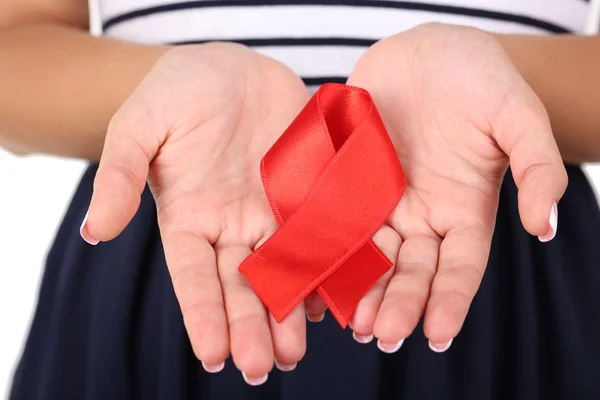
{"points": [[332, 179]]}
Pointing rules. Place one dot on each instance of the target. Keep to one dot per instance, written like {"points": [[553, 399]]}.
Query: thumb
{"points": [[526, 136], [132, 141]]}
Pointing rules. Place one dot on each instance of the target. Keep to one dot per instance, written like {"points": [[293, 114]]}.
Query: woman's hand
{"points": [[458, 112], [197, 128]]}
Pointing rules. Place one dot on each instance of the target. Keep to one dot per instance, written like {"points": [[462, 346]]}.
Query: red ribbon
{"points": [[332, 180]]}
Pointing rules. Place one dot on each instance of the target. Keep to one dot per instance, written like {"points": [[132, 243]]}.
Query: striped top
{"points": [[322, 40]]}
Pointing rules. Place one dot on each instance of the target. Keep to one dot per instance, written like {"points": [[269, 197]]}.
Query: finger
{"points": [[363, 320], [462, 261], [249, 330], [193, 268], [315, 307], [131, 142], [407, 292], [289, 338], [524, 133]]}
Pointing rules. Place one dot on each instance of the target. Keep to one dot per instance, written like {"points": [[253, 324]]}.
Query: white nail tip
{"points": [[553, 220], [84, 234], [255, 381], [213, 369], [440, 348], [389, 348], [364, 339], [285, 367]]}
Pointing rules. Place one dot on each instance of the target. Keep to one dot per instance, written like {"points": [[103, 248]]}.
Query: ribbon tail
{"points": [[343, 290]]}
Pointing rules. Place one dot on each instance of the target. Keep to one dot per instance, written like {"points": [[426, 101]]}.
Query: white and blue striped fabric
{"points": [[322, 40]]}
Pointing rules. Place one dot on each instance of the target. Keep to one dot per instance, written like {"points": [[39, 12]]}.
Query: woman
{"points": [[458, 103]]}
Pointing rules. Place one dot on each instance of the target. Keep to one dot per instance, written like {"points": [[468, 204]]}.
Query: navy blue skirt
{"points": [[108, 326]]}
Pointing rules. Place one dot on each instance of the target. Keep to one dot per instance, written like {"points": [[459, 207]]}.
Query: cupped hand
{"points": [[458, 112], [196, 128]]}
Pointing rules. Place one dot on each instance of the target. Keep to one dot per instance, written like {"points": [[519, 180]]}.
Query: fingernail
{"points": [[440, 347], [84, 233], [285, 367], [364, 339], [255, 381], [315, 318], [553, 220], [389, 348], [213, 369]]}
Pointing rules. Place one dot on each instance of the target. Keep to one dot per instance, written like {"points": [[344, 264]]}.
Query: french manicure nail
{"points": [[364, 339], [388, 347], [84, 233], [440, 347], [315, 318], [285, 367], [255, 381], [553, 220], [213, 369]]}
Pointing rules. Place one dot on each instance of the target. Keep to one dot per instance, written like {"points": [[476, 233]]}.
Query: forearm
{"points": [[565, 73], [59, 87]]}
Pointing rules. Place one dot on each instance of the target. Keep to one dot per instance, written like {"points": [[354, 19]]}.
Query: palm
{"points": [[205, 116], [454, 167], [455, 107], [205, 177]]}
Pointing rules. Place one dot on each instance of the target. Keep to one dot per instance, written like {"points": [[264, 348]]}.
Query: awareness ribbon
{"points": [[332, 179]]}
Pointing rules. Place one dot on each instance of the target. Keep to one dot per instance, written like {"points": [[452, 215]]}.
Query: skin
{"points": [[201, 158], [563, 72], [456, 132], [195, 121], [61, 86]]}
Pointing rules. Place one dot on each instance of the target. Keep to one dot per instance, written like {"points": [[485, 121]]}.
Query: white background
{"points": [[34, 192]]}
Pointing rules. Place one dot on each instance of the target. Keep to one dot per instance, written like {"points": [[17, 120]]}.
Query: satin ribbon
{"points": [[332, 179]]}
